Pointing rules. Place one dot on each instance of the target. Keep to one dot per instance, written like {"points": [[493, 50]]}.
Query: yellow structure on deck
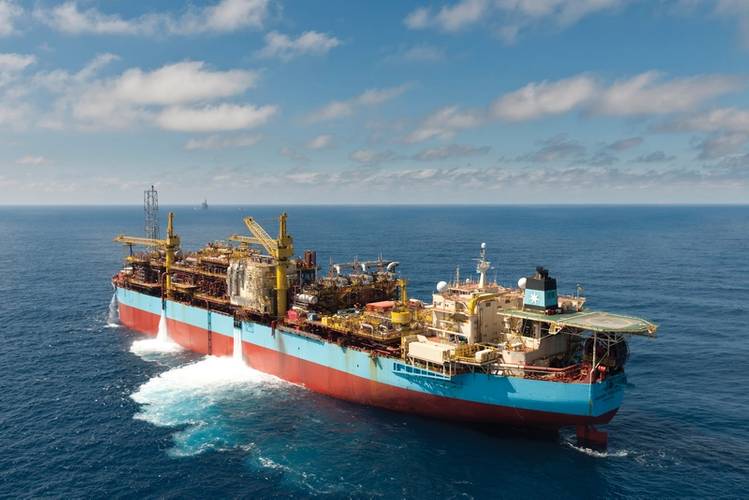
{"points": [[401, 315], [170, 245], [281, 249]]}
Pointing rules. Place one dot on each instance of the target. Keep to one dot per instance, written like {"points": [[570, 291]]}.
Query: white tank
{"points": [[441, 286], [521, 282]]}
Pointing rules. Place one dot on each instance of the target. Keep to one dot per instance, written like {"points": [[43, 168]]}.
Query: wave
{"points": [[192, 397]]}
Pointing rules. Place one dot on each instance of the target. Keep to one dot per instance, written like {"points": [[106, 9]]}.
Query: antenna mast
{"points": [[151, 212]]}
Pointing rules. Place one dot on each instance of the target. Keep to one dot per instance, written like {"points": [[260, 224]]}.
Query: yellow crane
{"points": [[281, 249], [170, 246]]}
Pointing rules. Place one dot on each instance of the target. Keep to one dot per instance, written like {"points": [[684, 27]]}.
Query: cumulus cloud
{"points": [[173, 97], [11, 65], [647, 94], [449, 18], [278, 45], [176, 83], [9, 12], [511, 16], [561, 12], [721, 119], [545, 98], [371, 157], [322, 141], [371, 97], [643, 94], [32, 160], [721, 144], [214, 117], [445, 123], [10, 62], [735, 10], [223, 142], [727, 130], [449, 152], [224, 16]]}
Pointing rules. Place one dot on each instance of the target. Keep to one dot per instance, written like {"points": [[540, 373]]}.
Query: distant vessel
{"points": [[480, 352], [204, 205]]}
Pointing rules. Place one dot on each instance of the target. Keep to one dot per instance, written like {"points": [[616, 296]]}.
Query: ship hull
{"points": [[353, 375]]}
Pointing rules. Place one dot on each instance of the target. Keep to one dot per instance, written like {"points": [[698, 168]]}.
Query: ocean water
{"points": [[90, 409]]}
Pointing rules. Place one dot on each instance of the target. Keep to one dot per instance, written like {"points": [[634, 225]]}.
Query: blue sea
{"points": [[86, 411]]}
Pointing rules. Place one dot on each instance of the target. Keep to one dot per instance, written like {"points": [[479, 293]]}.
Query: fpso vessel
{"points": [[480, 352]]}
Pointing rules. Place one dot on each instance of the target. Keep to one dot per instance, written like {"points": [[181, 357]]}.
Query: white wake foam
{"points": [[148, 348], [191, 396], [598, 454]]}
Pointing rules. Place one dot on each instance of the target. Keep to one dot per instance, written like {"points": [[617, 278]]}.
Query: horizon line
{"points": [[230, 205]]}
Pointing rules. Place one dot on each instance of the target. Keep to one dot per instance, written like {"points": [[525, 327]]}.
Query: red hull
{"points": [[342, 385]]}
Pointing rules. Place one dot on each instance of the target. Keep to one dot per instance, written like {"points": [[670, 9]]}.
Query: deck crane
{"points": [[281, 249], [170, 246]]}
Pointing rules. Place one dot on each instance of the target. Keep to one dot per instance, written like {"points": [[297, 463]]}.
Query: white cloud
{"points": [[120, 101], [449, 18], [371, 157], [721, 119], [418, 19], [646, 94], [722, 144], [450, 151], [10, 62], [222, 142], [178, 83], [546, 98], [214, 117], [331, 111], [11, 65], [444, 123], [68, 19], [643, 94], [562, 12], [737, 10], [224, 16], [370, 97], [9, 11], [231, 15], [320, 142], [308, 43], [14, 115], [512, 16], [32, 161]]}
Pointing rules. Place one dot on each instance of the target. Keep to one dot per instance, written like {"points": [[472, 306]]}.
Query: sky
{"points": [[349, 102]]}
